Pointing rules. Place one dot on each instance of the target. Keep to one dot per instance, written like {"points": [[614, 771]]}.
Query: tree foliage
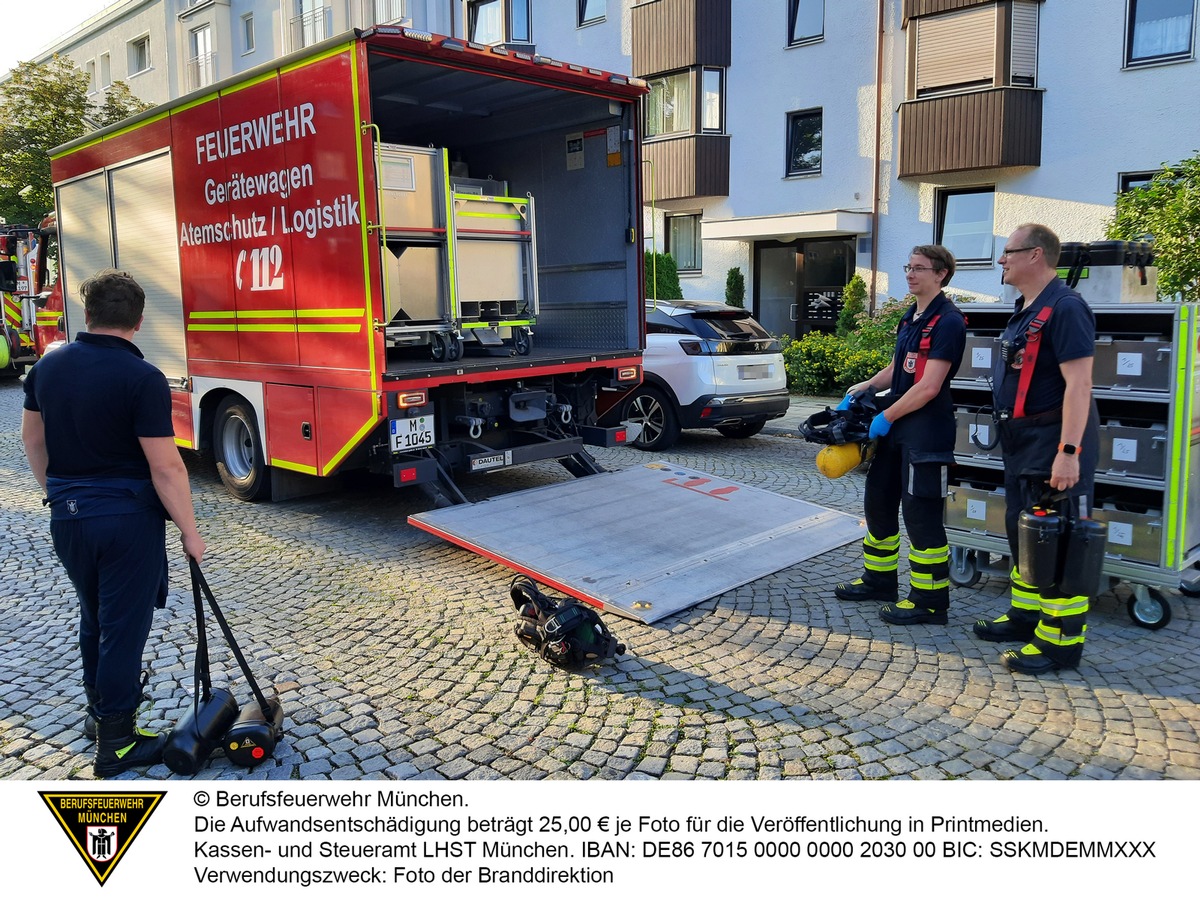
{"points": [[662, 277], [42, 106], [1168, 209], [854, 304], [735, 287]]}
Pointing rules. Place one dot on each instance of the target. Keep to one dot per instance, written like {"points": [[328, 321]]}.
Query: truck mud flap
{"points": [[646, 542]]}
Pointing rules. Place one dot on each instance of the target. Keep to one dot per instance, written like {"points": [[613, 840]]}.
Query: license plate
{"points": [[412, 434], [751, 373]]}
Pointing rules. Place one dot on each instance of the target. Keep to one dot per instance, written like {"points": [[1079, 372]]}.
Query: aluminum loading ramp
{"points": [[646, 542]]}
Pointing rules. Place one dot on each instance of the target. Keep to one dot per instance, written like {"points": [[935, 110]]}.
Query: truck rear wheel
{"points": [[239, 451]]}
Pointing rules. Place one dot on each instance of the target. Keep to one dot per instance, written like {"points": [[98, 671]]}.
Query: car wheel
{"points": [[239, 451], [650, 408], [741, 429]]}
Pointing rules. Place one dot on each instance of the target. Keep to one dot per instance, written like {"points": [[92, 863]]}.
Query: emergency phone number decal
{"points": [[439, 838]]}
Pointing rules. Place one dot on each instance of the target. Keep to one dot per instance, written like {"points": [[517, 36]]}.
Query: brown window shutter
{"points": [[956, 48]]}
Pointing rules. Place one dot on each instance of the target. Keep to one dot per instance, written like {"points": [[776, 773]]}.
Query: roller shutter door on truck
{"points": [[125, 218]]}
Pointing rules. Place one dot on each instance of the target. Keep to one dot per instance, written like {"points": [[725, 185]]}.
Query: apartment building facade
{"points": [[800, 140]]}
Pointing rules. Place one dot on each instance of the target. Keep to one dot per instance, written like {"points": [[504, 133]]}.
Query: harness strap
{"points": [[923, 347], [1033, 342]]}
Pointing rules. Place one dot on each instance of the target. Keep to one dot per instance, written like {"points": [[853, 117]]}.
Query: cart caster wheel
{"points": [[454, 348], [522, 341], [1189, 584], [964, 567], [438, 347], [1150, 611]]}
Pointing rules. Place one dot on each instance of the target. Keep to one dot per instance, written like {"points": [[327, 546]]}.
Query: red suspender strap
{"points": [[923, 348], [1033, 342]]}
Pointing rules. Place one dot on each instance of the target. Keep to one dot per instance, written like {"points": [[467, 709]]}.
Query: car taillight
{"points": [[728, 348]]}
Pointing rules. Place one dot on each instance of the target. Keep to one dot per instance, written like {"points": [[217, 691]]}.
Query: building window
{"points": [[1159, 31], [201, 68], [712, 110], [90, 69], [683, 242], [105, 71], [806, 21], [591, 11], [498, 21], [389, 11], [956, 51], [248, 33], [804, 142], [965, 223], [1131, 181], [669, 105], [139, 54]]}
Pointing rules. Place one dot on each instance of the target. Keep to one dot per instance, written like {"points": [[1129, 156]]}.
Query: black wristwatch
{"points": [[1069, 449]]}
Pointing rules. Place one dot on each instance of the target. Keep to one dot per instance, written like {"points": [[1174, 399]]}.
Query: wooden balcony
{"points": [[691, 165], [669, 35], [986, 129]]}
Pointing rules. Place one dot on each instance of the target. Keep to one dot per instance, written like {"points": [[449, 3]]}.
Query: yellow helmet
{"points": [[836, 460]]}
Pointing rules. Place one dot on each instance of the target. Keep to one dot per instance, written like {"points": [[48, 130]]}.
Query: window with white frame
{"points": [[965, 223], [139, 54], [201, 64], [591, 11], [248, 33], [712, 100], [683, 241], [105, 71], [1159, 31], [498, 21], [806, 21], [669, 105], [804, 137], [89, 69]]}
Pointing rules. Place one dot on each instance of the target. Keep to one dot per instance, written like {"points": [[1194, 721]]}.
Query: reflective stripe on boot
{"points": [[121, 746]]}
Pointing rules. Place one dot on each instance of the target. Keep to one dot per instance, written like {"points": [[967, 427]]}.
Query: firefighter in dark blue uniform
{"points": [[99, 438], [914, 445], [1049, 435]]}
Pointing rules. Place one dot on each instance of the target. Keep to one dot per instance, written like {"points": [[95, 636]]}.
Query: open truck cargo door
{"points": [[646, 542]]}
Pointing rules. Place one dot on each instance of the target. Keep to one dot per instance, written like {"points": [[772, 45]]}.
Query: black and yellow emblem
{"points": [[102, 826]]}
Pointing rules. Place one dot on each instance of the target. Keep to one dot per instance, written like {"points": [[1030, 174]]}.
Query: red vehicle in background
{"points": [[33, 319]]}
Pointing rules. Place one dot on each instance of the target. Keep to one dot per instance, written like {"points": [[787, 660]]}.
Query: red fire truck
{"points": [[343, 268], [30, 324]]}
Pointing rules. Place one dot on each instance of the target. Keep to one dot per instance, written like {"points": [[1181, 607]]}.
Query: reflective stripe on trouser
{"points": [[1061, 630], [929, 577], [1026, 601], [881, 555]]}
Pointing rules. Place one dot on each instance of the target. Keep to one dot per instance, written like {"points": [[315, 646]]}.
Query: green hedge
{"points": [[823, 363]]}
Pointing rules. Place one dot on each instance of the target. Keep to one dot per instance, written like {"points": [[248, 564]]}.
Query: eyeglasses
{"points": [[921, 269], [1008, 252]]}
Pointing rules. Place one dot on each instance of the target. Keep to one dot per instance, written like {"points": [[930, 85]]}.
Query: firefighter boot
{"points": [[929, 590], [921, 608], [89, 721], [1022, 617], [121, 745], [880, 587], [1057, 640]]}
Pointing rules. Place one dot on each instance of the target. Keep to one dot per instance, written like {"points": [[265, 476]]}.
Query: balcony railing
{"points": [[693, 165], [201, 71], [337, 16], [987, 129]]}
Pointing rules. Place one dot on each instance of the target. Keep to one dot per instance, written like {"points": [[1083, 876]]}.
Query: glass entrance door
{"points": [[775, 280]]}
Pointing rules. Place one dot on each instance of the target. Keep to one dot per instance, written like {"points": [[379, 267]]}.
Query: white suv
{"points": [[707, 365]]}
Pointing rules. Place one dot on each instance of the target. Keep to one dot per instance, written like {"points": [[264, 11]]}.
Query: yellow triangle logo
{"points": [[102, 826]]}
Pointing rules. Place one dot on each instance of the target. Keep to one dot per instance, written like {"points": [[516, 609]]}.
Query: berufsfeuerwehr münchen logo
{"points": [[102, 826]]}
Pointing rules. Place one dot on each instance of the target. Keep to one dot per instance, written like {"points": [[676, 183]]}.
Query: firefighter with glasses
{"points": [[914, 437], [1049, 435]]}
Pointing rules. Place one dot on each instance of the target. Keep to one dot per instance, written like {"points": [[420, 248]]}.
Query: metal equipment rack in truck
{"points": [[342, 265], [1146, 381]]}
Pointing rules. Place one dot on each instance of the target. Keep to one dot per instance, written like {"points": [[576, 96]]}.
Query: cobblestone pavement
{"points": [[393, 655]]}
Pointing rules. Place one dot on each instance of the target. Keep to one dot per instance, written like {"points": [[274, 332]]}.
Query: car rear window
{"points": [[734, 325]]}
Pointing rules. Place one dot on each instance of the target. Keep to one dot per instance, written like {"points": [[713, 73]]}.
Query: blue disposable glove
{"points": [[845, 404], [879, 427]]}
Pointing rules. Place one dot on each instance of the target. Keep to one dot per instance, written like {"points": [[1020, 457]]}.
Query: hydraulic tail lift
{"points": [[646, 542]]}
